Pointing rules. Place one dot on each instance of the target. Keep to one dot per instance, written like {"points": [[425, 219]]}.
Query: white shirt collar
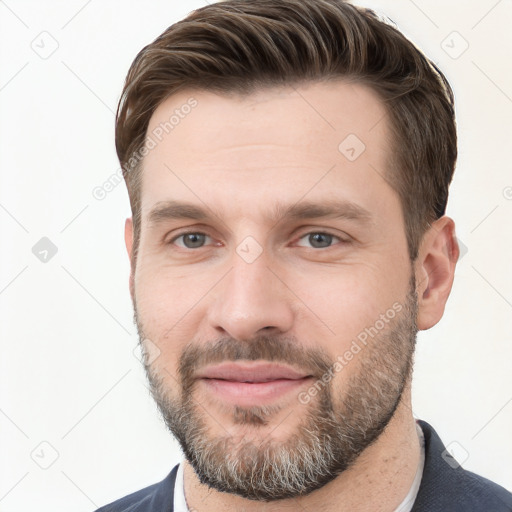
{"points": [[180, 504], [409, 500]]}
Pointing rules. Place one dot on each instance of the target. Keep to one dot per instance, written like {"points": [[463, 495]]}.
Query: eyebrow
{"points": [[304, 210]]}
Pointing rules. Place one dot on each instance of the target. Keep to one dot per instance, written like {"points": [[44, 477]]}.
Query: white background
{"points": [[69, 376]]}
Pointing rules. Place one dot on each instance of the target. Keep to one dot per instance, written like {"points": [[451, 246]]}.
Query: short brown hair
{"points": [[238, 46]]}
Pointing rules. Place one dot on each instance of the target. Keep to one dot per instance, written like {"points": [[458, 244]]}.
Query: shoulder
{"points": [[447, 486], [156, 497]]}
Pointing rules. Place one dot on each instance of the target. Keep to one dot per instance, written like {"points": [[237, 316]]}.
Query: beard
{"points": [[334, 428]]}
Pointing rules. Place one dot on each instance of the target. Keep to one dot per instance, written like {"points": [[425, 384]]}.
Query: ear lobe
{"points": [[128, 240], [435, 268]]}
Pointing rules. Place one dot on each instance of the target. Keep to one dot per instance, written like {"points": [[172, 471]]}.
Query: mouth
{"points": [[251, 383]]}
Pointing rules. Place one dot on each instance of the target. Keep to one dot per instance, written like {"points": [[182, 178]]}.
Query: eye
{"points": [[190, 240], [318, 240]]}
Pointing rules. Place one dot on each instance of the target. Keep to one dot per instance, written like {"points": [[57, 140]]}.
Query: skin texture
{"points": [[237, 158]]}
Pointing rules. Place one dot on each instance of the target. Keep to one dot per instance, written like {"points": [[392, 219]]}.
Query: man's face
{"points": [[295, 279]]}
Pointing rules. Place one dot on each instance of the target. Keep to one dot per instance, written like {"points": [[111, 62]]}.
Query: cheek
{"points": [[347, 300], [165, 293], [165, 306]]}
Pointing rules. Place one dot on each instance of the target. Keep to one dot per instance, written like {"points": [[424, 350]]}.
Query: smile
{"points": [[252, 383]]}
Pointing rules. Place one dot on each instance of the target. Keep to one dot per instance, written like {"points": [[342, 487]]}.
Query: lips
{"points": [[251, 372], [251, 383]]}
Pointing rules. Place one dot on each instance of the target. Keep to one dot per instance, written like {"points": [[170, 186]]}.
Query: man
{"points": [[288, 166]]}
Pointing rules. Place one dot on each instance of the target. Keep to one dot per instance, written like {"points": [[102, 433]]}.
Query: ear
{"points": [[435, 269], [128, 240]]}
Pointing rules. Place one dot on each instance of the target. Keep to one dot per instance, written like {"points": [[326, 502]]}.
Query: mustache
{"points": [[287, 350]]}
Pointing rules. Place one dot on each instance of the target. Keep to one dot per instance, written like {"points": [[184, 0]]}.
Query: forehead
{"points": [[287, 137], [208, 120]]}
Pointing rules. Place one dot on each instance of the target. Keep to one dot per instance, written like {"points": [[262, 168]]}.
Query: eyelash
{"points": [[340, 239]]}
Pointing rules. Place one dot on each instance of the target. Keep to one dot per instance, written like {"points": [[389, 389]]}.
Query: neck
{"points": [[379, 480]]}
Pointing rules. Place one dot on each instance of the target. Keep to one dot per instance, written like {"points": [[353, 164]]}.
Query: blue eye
{"points": [[191, 240], [314, 239], [319, 240]]}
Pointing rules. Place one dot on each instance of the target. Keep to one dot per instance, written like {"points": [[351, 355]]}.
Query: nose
{"points": [[251, 300]]}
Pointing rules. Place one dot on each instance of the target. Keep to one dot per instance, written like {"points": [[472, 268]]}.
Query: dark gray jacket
{"points": [[445, 487]]}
